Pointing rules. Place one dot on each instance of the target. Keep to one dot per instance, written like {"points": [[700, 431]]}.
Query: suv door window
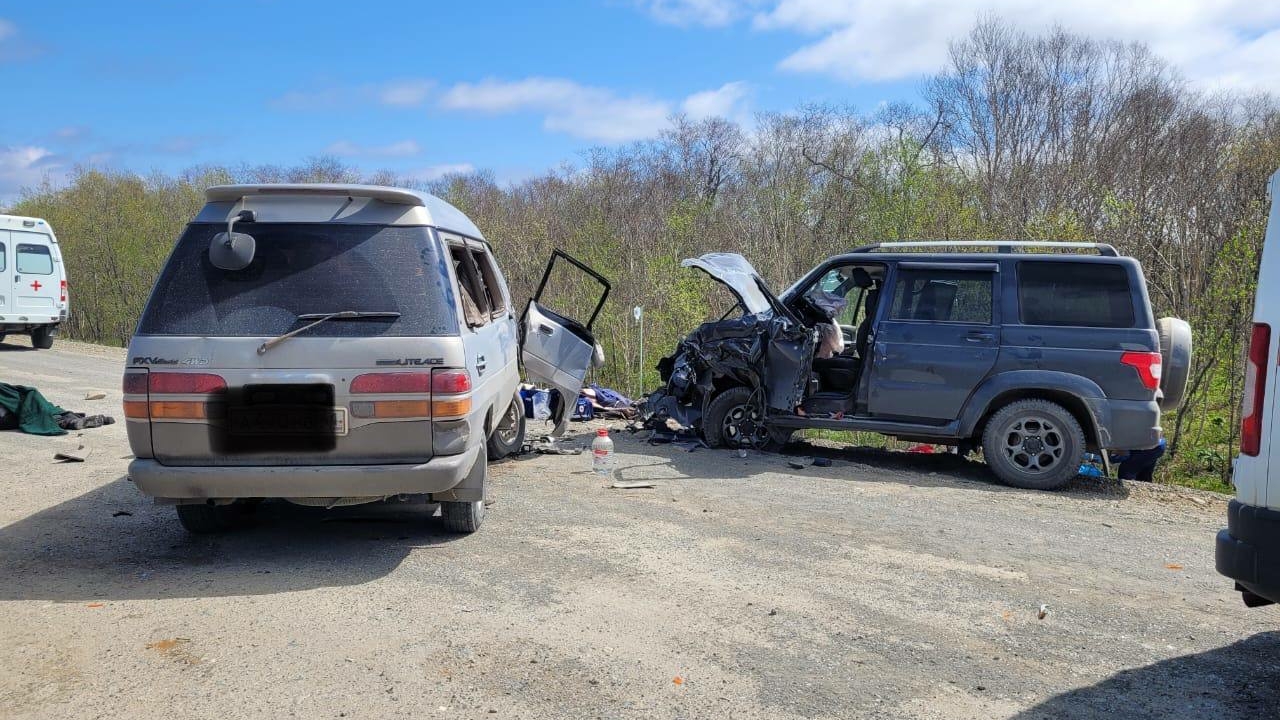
{"points": [[942, 296], [34, 260], [1074, 294]]}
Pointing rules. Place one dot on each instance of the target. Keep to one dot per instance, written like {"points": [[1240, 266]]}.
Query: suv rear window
{"points": [[1075, 294], [303, 269]]}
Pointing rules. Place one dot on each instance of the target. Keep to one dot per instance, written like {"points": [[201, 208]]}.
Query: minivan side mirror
{"points": [[231, 250]]}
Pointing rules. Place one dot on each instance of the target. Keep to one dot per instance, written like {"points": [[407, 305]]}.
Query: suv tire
{"points": [[508, 432], [462, 517], [1033, 444], [42, 338], [205, 519], [733, 420]]}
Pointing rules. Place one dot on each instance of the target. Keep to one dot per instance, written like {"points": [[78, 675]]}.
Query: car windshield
{"points": [[300, 272]]}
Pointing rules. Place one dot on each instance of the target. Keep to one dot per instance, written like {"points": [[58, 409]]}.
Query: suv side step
{"points": [[887, 427]]}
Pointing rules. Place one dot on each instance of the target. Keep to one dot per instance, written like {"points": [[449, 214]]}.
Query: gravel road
{"points": [[887, 585]]}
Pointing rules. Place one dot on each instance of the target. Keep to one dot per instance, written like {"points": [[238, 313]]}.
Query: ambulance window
{"points": [[34, 260]]}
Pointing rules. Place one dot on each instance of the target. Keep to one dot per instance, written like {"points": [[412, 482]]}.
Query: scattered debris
{"points": [[94, 605], [122, 513], [795, 464], [94, 395], [632, 484], [773, 612], [73, 454], [677, 680], [1172, 566], [1043, 612], [822, 462]]}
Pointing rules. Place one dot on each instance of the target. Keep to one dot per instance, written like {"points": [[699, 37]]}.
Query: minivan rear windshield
{"points": [[305, 269]]}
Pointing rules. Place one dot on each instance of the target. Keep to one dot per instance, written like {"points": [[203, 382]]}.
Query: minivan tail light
{"points": [[1255, 389], [1148, 366], [392, 382], [450, 382], [135, 383], [185, 383]]}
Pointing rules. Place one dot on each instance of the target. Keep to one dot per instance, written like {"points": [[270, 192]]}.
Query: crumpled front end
{"points": [[759, 351]]}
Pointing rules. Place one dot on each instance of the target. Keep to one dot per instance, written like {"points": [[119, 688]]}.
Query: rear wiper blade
{"points": [[322, 317]]}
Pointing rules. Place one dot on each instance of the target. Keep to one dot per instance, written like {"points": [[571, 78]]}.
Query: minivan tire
{"points": [[462, 517], [205, 519], [1033, 444], [730, 416], [508, 432], [42, 338]]}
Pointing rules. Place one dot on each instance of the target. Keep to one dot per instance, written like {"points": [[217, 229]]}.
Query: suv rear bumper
{"points": [[437, 475], [1248, 551], [1131, 424]]}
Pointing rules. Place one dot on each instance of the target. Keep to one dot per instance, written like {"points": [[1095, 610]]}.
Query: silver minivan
{"points": [[338, 344]]}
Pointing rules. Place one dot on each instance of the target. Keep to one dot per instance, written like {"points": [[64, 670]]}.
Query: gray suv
{"points": [[339, 344], [1035, 358]]}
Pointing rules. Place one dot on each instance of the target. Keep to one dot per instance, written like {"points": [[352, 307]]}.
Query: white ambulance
{"points": [[33, 281], [1248, 551]]}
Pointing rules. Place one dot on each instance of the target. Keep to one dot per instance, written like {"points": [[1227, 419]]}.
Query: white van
{"points": [[33, 281], [1248, 551]]}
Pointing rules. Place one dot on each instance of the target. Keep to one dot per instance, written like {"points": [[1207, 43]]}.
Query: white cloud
{"points": [[712, 13], [405, 93], [435, 172], [727, 101], [24, 166], [396, 93], [1232, 43], [587, 112], [346, 148]]}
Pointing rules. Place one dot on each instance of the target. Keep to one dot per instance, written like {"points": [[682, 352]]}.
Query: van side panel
{"points": [[1251, 475]]}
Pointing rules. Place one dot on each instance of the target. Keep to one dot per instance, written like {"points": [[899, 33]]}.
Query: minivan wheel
{"points": [[1033, 444], [462, 517], [42, 338], [508, 433], [734, 420], [205, 519]]}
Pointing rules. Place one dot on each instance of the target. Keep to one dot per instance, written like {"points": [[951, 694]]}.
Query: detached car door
{"points": [[556, 345]]}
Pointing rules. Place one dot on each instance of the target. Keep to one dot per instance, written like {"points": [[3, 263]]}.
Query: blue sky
{"points": [[514, 87]]}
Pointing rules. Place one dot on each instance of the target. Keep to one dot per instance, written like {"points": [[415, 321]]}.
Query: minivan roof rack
{"points": [[1002, 246]]}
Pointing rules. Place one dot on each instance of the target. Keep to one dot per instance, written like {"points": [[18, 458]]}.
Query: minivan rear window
{"points": [[1075, 294], [305, 269]]}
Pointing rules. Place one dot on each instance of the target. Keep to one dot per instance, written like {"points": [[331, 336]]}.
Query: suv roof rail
{"points": [[1002, 246]]}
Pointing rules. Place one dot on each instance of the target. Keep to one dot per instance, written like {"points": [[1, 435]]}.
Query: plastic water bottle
{"points": [[602, 453]]}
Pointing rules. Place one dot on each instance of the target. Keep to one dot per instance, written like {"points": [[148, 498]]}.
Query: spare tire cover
{"points": [[1175, 353]]}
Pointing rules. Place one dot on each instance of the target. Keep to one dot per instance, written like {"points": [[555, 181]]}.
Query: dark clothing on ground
{"points": [[24, 408]]}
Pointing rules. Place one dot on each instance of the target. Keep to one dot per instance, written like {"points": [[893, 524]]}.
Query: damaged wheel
{"points": [[733, 419]]}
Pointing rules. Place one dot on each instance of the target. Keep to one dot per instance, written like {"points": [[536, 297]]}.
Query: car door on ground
{"points": [[557, 347], [936, 341]]}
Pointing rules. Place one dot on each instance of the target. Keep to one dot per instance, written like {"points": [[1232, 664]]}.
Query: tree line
{"points": [[1049, 136]]}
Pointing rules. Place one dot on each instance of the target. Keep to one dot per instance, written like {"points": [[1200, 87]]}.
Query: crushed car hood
{"points": [[738, 275]]}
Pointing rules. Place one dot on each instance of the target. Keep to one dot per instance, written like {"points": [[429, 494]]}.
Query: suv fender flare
{"points": [[1080, 395]]}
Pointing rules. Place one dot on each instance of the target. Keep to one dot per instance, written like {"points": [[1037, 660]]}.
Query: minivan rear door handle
{"points": [[976, 336]]}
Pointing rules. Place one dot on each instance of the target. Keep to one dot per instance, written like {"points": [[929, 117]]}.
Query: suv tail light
{"points": [[1255, 389], [1148, 366]]}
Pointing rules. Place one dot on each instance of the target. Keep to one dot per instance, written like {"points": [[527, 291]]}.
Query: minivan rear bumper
{"points": [[437, 475], [1248, 551]]}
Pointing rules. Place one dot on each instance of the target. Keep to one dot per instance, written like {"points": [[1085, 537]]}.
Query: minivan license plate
{"points": [[289, 421]]}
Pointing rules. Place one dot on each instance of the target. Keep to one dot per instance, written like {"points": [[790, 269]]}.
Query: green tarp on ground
{"points": [[35, 414]]}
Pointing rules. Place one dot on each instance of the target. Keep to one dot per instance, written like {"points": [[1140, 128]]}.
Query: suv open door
{"points": [[556, 346]]}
